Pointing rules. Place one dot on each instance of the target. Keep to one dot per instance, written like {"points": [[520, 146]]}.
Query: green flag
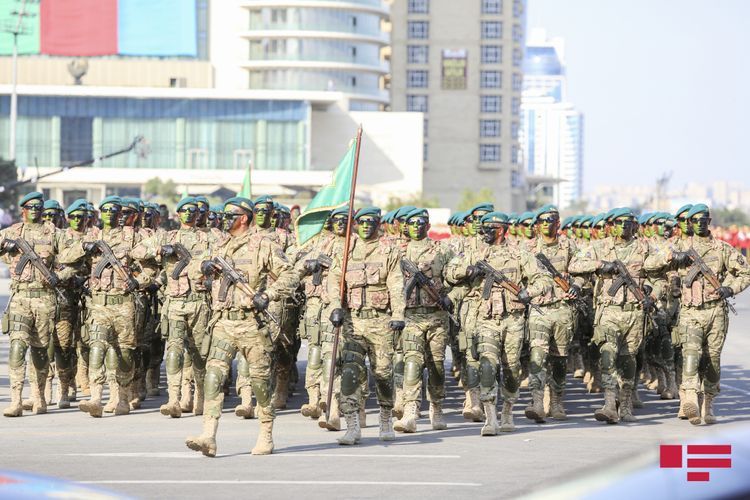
{"points": [[246, 190], [330, 197]]}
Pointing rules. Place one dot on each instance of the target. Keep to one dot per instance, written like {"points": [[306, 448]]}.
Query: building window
{"points": [[515, 106], [492, 29], [416, 103], [418, 29], [492, 6], [514, 129], [419, 6], [417, 54], [492, 104], [489, 128], [516, 180], [517, 33], [517, 57], [517, 8], [424, 152], [490, 79], [416, 79], [517, 82], [425, 128], [492, 54], [515, 156], [489, 152]]}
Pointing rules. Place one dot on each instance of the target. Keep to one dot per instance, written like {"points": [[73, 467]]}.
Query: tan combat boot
{"points": [[123, 403], [206, 442], [546, 400], [708, 409], [626, 406], [362, 416], [152, 382], [37, 396], [535, 410], [635, 400], [398, 403], [407, 423], [280, 391], [172, 407], [245, 408], [690, 407], [264, 443], [681, 412], [670, 387], [556, 408], [608, 413], [332, 420], [437, 419], [186, 392], [353, 432], [312, 407], [63, 390], [577, 365], [595, 385], [490, 426], [93, 406], [15, 409], [199, 400], [386, 425], [506, 417], [472, 409]]}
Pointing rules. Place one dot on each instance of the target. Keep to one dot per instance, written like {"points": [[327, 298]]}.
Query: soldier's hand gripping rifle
{"points": [[418, 279], [492, 276], [625, 279], [324, 262], [560, 280], [29, 256], [109, 259], [184, 256], [232, 277], [700, 267]]}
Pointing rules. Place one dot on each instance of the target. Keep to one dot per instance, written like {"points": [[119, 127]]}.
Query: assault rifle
{"points": [[492, 276], [232, 277], [184, 257], [324, 262], [625, 279], [29, 256], [560, 281], [700, 267], [418, 279], [109, 259]]}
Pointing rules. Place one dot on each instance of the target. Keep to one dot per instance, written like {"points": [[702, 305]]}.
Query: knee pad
{"points": [[472, 376], [487, 372], [628, 366], [350, 376], [40, 358], [607, 359], [112, 359], [538, 358], [690, 362], [243, 367], [314, 360], [398, 364], [126, 363], [17, 355], [97, 352], [412, 372], [327, 369], [213, 382], [174, 361], [261, 391]]}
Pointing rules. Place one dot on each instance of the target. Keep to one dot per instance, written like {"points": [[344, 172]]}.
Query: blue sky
{"points": [[664, 85]]}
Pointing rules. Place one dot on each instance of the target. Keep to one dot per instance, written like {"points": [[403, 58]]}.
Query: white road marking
{"points": [[735, 389], [188, 454], [249, 481]]}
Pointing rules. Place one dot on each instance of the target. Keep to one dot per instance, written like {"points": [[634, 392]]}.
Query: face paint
{"points": [[700, 223], [586, 233], [110, 215], [623, 228], [548, 225], [202, 217], [685, 227], [339, 225], [466, 229], [188, 214], [418, 227], [231, 220], [276, 220], [32, 211], [475, 219], [367, 227], [263, 214], [660, 229], [512, 230], [127, 216], [77, 221]]}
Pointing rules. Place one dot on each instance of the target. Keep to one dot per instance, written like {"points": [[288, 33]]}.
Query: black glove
{"points": [[473, 272], [397, 326], [167, 250], [681, 258], [260, 301], [54, 280], [131, 286], [337, 317], [523, 296], [208, 268], [607, 267], [675, 286], [312, 266], [90, 248], [574, 292], [648, 303], [152, 288], [446, 303], [9, 246], [725, 292]]}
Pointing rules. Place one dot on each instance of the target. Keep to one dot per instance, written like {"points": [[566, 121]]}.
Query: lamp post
{"points": [[15, 31]]}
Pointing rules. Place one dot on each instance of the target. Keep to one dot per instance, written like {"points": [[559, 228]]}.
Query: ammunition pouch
{"points": [[221, 350]]}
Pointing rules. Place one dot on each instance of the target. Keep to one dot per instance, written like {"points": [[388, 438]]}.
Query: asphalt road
{"points": [[143, 454]]}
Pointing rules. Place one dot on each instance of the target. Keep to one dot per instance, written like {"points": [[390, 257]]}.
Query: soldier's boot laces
{"points": [[245, 408], [535, 410], [578, 371], [708, 409], [186, 401], [353, 432], [172, 407], [152, 382], [386, 425], [691, 408], [94, 405], [506, 417], [407, 423], [264, 443], [681, 412], [626, 406], [398, 403], [311, 409], [123, 397], [634, 398], [608, 412], [280, 392], [556, 408], [114, 397], [206, 442], [37, 396], [15, 409], [331, 420], [472, 409], [490, 426], [670, 389], [437, 419]]}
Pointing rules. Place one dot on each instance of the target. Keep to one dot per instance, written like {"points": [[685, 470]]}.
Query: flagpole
{"points": [[342, 282]]}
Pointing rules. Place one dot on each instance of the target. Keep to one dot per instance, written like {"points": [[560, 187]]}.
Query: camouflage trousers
{"points": [[466, 343], [310, 330], [659, 350], [424, 342], [498, 343], [703, 333], [618, 331], [366, 335], [112, 338], [550, 336], [186, 324], [61, 350], [232, 332]]}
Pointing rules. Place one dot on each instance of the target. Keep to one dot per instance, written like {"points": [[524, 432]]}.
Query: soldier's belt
{"points": [[192, 297], [706, 305], [366, 313], [34, 293], [236, 314], [630, 306], [423, 309], [102, 299], [553, 305]]}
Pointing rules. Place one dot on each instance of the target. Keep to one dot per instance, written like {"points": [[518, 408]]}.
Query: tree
{"points": [[417, 200], [726, 217], [470, 198], [165, 191]]}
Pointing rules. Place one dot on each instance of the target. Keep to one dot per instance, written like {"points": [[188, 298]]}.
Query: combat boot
{"points": [[27, 404], [186, 391], [681, 412], [670, 389], [535, 410], [312, 407], [264, 443], [626, 406], [661, 379], [546, 399], [362, 416], [472, 410], [386, 425], [245, 408], [490, 426], [353, 433], [15, 409], [123, 405], [407, 423], [48, 386], [577, 365], [133, 397], [94, 405], [608, 413], [280, 392], [172, 407], [635, 400], [398, 403], [114, 397], [63, 400], [199, 400], [206, 442], [152, 382], [556, 408], [39, 406], [708, 409], [332, 420], [506, 417], [437, 419], [690, 407], [595, 385]]}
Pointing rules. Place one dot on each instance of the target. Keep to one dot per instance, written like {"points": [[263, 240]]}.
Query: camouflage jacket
{"points": [[46, 241], [430, 257], [541, 285]]}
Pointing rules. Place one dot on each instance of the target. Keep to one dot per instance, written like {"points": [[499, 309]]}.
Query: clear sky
{"points": [[663, 84]]}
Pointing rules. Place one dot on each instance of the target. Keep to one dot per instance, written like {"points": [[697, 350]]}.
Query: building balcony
{"points": [[299, 63], [320, 34], [377, 7]]}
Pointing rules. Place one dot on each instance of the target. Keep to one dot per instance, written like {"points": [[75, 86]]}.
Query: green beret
{"points": [[90, 207], [608, 215], [52, 204], [670, 221], [526, 216], [79, 204], [546, 209], [644, 218], [131, 203], [597, 219], [340, 211], [34, 195], [264, 199], [240, 201], [699, 208], [623, 212], [484, 206], [387, 217], [586, 220], [663, 216], [460, 217], [216, 208], [494, 217], [110, 200], [418, 212], [282, 208], [367, 211], [683, 209], [201, 199], [402, 211], [188, 200]]}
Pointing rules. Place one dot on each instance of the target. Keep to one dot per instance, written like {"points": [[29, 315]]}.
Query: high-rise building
{"points": [[460, 63], [552, 135]]}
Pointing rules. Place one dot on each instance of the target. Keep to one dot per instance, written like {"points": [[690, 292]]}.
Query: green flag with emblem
{"points": [[246, 190]]}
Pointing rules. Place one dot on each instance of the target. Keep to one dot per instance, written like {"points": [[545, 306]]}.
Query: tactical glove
{"points": [[574, 292], [337, 317], [8, 246], [90, 248], [473, 272], [131, 286], [397, 326], [446, 303], [607, 267], [681, 258], [312, 266], [208, 268], [523, 296], [725, 292], [167, 250], [260, 301]]}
